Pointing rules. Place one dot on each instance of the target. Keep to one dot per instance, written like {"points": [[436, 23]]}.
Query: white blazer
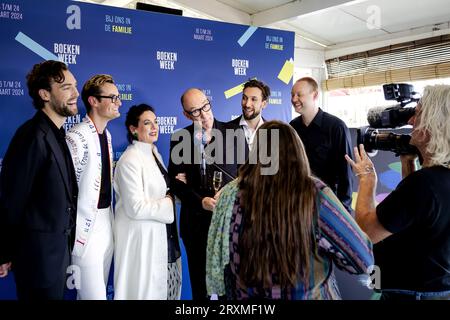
{"points": [[142, 212], [84, 147]]}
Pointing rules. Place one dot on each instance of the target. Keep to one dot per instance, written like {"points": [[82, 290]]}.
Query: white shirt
{"points": [[249, 132]]}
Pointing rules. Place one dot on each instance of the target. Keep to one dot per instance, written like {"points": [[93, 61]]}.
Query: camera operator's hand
{"points": [[365, 208], [362, 166]]}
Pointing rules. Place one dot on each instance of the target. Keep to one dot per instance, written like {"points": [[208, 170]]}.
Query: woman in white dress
{"points": [[147, 263]]}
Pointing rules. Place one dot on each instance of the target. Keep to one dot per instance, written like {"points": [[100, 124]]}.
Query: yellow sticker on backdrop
{"points": [[286, 72], [234, 91]]}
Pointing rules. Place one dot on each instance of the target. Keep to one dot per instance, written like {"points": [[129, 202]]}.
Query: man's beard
{"points": [[64, 111], [252, 116]]}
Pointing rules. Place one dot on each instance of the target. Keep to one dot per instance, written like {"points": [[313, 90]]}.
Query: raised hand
{"points": [[362, 164]]}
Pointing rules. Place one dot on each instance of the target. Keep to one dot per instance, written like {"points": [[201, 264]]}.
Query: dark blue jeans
{"points": [[397, 294]]}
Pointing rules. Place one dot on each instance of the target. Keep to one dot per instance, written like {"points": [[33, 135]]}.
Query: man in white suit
{"points": [[90, 146]]}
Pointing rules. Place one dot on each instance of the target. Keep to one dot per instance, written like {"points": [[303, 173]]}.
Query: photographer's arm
{"points": [[365, 211]]}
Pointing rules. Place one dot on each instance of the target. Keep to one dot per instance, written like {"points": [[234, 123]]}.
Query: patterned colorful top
{"points": [[339, 240]]}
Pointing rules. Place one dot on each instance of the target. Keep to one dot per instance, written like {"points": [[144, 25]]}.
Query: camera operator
{"points": [[412, 225]]}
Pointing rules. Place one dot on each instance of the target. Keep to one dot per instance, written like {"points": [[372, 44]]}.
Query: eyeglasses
{"points": [[113, 98], [196, 112]]}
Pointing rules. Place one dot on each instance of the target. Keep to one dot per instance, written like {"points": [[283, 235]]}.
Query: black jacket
{"points": [[193, 218], [38, 204]]}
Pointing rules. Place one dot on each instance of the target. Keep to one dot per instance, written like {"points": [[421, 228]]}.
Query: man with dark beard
{"points": [[254, 99], [38, 189]]}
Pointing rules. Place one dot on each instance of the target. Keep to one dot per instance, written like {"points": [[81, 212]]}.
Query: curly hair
{"points": [[41, 76], [253, 83], [435, 119]]}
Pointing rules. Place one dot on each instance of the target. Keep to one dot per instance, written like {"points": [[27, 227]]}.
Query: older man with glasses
{"points": [[197, 195], [90, 145]]}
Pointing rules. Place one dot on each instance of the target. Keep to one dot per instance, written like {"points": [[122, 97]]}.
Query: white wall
{"points": [[309, 61]]}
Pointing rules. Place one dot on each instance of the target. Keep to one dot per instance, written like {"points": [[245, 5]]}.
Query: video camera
{"points": [[392, 117]]}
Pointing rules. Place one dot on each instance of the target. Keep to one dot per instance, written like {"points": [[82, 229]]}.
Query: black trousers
{"points": [[27, 292], [196, 254]]}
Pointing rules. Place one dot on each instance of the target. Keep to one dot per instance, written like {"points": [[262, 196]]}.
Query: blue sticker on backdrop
{"points": [[35, 47], [247, 34]]}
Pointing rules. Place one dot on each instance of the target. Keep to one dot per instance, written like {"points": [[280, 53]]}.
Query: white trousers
{"points": [[96, 263]]}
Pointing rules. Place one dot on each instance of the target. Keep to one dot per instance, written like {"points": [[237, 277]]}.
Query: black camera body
{"points": [[398, 91], [393, 117], [375, 139]]}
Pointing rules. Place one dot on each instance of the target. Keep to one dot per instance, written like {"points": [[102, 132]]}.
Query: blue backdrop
{"points": [[153, 59]]}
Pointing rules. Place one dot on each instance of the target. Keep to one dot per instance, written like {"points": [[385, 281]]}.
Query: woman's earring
{"points": [[135, 134]]}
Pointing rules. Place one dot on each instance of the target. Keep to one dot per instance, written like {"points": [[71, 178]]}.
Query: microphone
{"points": [[200, 142], [203, 164], [375, 117], [390, 117]]}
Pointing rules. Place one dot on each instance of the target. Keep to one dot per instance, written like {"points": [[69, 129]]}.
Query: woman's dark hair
{"points": [[279, 210], [41, 76], [133, 115]]}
